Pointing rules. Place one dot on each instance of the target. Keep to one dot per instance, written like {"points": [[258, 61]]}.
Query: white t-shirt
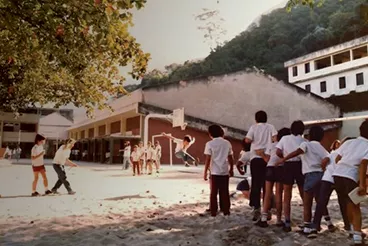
{"points": [[158, 151], [261, 135], [313, 155], [149, 153], [271, 151], [141, 151], [327, 176], [127, 150], [135, 156], [179, 145], [36, 150], [352, 153], [219, 149], [61, 155], [245, 157], [289, 144]]}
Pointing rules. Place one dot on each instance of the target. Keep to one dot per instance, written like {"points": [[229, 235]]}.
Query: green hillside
{"points": [[280, 36]]}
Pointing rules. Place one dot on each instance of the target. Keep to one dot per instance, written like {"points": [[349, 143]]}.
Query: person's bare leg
{"points": [[307, 211], [45, 181], [278, 196], [35, 181], [266, 204], [355, 216], [301, 192], [288, 192]]}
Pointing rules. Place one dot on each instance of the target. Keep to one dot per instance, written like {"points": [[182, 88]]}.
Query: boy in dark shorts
{"points": [[274, 175], [350, 173], [312, 154], [292, 168]]}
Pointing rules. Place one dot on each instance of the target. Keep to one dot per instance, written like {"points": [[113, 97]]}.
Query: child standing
{"points": [[149, 158], [312, 153], [62, 158], [274, 175], [219, 154], [349, 174], [134, 158], [327, 186], [142, 155], [38, 166], [292, 167], [127, 150], [158, 154], [260, 136]]}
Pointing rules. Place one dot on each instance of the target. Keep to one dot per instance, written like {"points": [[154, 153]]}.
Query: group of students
{"points": [[60, 160], [142, 157], [284, 158]]}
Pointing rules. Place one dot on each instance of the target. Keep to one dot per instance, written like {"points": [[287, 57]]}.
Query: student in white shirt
{"points": [[38, 166], [154, 158], [260, 136], [312, 154], [350, 173], [219, 156], [126, 160], [158, 154], [62, 158], [292, 168], [134, 158], [274, 175], [181, 149], [327, 186]]}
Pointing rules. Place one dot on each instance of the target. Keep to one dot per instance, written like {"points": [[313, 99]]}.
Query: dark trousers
{"points": [[59, 169], [325, 192], [220, 185], [258, 173], [136, 168]]}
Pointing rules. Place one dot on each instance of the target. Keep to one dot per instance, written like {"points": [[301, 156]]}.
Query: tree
{"points": [[66, 51]]}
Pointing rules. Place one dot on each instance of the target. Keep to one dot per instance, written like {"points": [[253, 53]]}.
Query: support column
{"points": [[122, 125], [108, 128], [111, 142], [351, 55]]}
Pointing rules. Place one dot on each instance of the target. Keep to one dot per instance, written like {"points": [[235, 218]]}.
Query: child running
{"points": [[292, 167], [134, 158], [62, 158], [126, 160], [219, 156], [38, 166], [182, 146], [260, 136], [312, 153], [324, 194], [350, 173], [274, 175]]}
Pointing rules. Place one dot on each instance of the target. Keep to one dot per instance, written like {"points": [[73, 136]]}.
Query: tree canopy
{"points": [[66, 51], [278, 37]]}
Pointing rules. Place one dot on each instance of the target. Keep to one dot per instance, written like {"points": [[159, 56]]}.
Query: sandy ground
{"points": [[112, 207]]}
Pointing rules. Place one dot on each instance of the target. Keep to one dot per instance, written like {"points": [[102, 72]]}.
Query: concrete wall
{"points": [[332, 83], [233, 99], [350, 128]]}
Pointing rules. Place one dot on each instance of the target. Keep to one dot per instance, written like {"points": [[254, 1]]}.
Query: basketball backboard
{"points": [[178, 117]]}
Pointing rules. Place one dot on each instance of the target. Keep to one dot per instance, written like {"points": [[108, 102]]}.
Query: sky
{"points": [[167, 29]]}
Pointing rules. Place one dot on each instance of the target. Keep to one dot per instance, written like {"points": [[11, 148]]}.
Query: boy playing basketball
{"points": [[182, 146]]}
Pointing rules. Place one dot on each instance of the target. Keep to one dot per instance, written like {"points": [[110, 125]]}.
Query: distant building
{"points": [[339, 74], [229, 100]]}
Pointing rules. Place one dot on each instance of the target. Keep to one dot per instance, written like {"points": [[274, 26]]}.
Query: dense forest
{"points": [[278, 37]]}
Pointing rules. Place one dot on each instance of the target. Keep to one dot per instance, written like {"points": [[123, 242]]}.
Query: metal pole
{"points": [[171, 157], [146, 120], [336, 119]]}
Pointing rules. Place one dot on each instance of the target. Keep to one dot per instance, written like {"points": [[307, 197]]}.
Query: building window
{"points": [[341, 57], [322, 63], [360, 79], [295, 71], [360, 52], [308, 88], [25, 127], [307, 67], [342, 82], [323, 86]]}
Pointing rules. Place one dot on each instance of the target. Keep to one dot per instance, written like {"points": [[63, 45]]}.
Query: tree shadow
{"points": [[29, 196], [119, 198]]}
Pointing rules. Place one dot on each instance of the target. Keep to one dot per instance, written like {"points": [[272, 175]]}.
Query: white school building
{"points": [[340, 75]]}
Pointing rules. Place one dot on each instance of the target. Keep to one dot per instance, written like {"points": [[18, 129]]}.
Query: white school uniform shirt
{"points": [[141, 151], [245, 157], [158, 151], [149, 153], [271, 151], [219, 149], [313, 155], [352, 152], [327, 176], [36, 150], [61, 155], [261, 135], [127, 151], [135, 156], [289, 144]]}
